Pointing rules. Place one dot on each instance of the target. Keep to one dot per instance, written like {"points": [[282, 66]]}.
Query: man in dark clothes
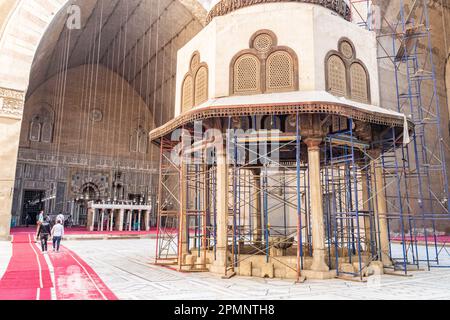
{"points": [[44, 233]]}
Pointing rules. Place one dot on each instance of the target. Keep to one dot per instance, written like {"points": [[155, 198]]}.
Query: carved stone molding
{"points": [[11, 102], [227, 6]]}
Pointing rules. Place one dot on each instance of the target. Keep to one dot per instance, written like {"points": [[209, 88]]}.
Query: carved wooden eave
{"points": [[225, 7], [388, 119]]}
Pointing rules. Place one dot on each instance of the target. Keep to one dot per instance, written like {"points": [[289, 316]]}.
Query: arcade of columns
{"points": [[117, 217]]}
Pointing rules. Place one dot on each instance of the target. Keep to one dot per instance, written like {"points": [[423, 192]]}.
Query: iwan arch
{"points": [[34, 40]]}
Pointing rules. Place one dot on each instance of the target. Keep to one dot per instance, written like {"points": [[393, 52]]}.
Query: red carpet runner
{"points": [[75, 279], [28, 275]]}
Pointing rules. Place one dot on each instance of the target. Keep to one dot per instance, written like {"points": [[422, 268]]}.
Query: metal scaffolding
{"points": [[269, 218], [415, 175], [378, 185]]}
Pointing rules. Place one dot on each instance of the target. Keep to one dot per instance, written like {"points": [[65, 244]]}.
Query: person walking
{"points": [[61, 218], [57, 234], [43, 233], [27, 220], [39, 221]]}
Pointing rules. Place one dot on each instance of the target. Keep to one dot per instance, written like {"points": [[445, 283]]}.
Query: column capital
{"points": [[313, 142], [374, 153]]}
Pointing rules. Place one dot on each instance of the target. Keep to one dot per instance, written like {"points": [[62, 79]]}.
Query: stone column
{"points": [[130, 220], [91, 219], [139, 220], [116, 214], [219, 264], [111, 221], [183, 226], [147, 220], [366, 207], [318, 227], [256, 185], [121, 220], [380, 206], [102, 219]]}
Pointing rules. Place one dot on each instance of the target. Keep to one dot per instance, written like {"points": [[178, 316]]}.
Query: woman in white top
{"points": [[57, 234]]}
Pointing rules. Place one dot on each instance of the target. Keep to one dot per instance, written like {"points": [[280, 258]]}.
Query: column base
{"points": [[319, 261], [218, 265], [319, 275], [386, 261], [218, 268]]}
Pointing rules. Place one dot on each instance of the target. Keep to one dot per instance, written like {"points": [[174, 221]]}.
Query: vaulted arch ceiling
{"points": [[138, 39]]}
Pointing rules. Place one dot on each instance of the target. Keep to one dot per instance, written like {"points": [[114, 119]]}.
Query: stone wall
{"points": [[11, 103], [93, 126]]}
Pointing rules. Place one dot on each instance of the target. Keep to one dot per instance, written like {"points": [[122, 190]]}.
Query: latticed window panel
{"points": [[337, 83], [358, 83], [247, 74], [201, 86], [280, 72], [187, 94]]}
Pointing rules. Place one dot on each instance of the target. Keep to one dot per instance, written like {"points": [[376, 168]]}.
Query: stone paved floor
{"points": [[125, 266]]}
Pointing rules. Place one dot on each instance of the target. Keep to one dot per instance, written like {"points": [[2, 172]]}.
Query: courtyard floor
{"points": [[123, 269]]}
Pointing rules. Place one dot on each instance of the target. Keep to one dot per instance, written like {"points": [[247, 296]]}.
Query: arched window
{"points": [[337, 82], [35, 130], [134, 142], [194, 89], [247, 74], [346, 76], [280, 72], [47, 132], [264, 67], [139, 140], [358, 83], [143, 141], [41, 126], [187, 94], [201, 86]]}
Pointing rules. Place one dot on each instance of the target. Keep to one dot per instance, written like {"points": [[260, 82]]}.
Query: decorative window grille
{"points": [[264, 67], [201, 86], [280, 72], [194, 90], [346, 75], [187, 94], [358, 83], [247, 74], [337, 83]]}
